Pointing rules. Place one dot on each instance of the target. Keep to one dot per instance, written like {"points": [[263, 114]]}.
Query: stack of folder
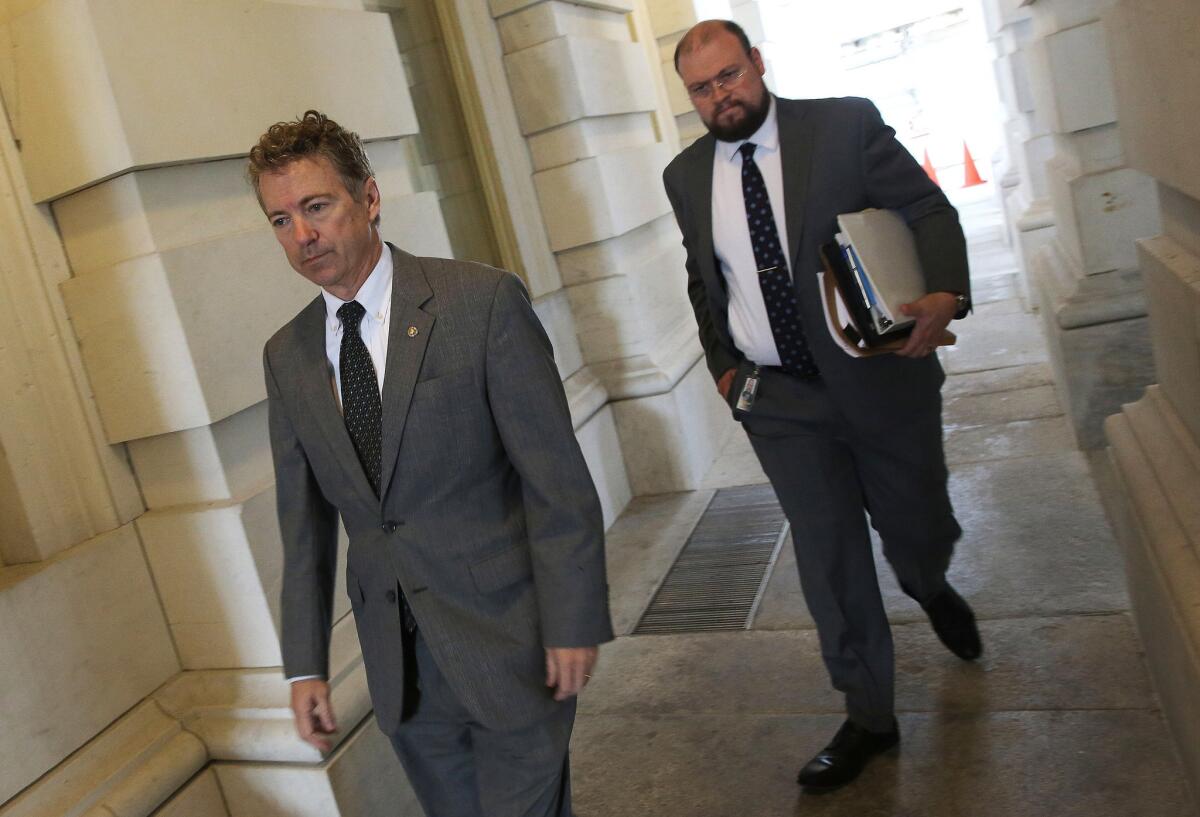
{"points": [[871, 268]]}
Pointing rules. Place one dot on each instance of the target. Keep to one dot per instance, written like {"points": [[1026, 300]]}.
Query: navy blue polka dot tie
{"points": [[362, 408], [783, 312]]}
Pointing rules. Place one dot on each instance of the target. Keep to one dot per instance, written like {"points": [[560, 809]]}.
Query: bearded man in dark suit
{"points": [[838, 437]]}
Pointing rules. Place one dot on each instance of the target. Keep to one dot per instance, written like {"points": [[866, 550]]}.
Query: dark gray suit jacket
{"points": [[489, 520], [838, 157]]}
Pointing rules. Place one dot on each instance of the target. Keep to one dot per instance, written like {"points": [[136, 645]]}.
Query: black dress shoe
{"points": [[844, 758], [954, 624]]}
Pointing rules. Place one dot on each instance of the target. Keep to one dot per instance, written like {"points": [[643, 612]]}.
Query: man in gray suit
{"points": [[837, 436], [418, 399]]}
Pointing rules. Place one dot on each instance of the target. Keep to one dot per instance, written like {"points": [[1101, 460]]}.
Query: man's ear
{"points": [[757, 60], [371, 194]]}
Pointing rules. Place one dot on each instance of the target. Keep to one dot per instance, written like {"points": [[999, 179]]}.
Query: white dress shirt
{"points": [[749, 326], [375, 295]]}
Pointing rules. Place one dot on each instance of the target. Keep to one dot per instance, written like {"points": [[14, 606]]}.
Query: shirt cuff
{"points": [[305, 678]]}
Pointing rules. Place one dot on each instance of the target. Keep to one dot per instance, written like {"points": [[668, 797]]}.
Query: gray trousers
{"points": [[829, 474], [459, 768]]}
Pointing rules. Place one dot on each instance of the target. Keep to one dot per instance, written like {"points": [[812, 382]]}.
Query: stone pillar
{"points": [[587, 102], [1028, 143], [82, 636], [1087, 280], [1155, 442]]}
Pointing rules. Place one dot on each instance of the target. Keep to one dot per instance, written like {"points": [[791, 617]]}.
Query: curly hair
{"points": [[313, 134]]}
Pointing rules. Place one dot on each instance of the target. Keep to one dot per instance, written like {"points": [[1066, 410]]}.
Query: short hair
{"points": [[691, 39], [312, 135]]}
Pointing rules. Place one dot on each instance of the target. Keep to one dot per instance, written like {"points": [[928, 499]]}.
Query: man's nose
{"points": [[719, 94], [302, 231]]}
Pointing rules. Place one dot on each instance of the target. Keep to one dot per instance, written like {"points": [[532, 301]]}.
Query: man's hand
{"points": [[568, 669], [313, 712], [726, 382], [933, 313]]}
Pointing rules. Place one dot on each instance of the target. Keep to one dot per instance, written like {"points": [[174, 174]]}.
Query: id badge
{"points": [[745, 400]]}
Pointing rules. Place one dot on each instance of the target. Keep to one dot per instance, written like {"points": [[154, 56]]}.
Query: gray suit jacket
{"points": [[838, 156], [489, 520]]}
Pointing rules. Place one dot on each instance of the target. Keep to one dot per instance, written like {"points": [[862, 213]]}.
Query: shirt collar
{"points": [[374, 294], [766, 137]]}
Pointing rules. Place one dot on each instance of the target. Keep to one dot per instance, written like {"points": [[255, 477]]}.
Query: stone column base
{"points": [[671, 439], [1099, 340], [1157, 465], [1032, 228], [362, 778]]}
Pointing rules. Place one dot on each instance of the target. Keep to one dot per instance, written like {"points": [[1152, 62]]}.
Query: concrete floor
{"points": [[1057, 719]]}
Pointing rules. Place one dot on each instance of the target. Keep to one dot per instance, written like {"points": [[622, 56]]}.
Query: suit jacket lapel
{"points": [[408, 337], [701, 177], [317, 385], [795, 153]]}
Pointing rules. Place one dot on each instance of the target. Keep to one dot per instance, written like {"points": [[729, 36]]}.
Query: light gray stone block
{"points": [[1172, 276], [544, 21], [670, 439], [1155, 74], [592, 200], [362, 778], [200, 798], [568, 78], [216, 463], [602, 450], [1156, 464], [84, 641], [97, 112]]}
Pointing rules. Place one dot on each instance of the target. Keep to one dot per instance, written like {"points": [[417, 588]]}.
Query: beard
{"points": [[745, 128]]}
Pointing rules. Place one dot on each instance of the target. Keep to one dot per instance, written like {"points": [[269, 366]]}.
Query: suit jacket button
{"points": [[390, 527], [391, 596]]}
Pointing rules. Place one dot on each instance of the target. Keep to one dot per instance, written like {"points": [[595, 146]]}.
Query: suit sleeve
{"points": [[719, 357], [895, 181], [308, 527], [564, 522]]}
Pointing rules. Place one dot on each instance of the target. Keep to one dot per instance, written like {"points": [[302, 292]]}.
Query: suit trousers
{"points": [[460, 768], [829, 474]]}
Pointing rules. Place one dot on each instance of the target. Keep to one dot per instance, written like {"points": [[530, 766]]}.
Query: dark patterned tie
{"points": [[783, 312], [361, 407]]}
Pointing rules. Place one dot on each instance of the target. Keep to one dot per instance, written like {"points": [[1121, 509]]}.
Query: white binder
{"points": [[879, 248]]}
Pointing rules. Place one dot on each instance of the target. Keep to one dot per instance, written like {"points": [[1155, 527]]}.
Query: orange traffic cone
{"points": [[927, 166], [971, 175]]}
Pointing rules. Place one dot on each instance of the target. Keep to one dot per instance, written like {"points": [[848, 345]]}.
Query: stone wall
{"points": [[1155, 442], [595, 115], [162, 631], [1087, 280], [1027, 140]]}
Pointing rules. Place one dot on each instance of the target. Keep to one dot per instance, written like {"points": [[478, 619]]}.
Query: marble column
{"points": [[1028, 143], [82, 635], [1155, 442], [1087, 279], [588, 103]]}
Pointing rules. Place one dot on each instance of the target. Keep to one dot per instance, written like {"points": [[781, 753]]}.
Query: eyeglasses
{"points": [[729, 78]]}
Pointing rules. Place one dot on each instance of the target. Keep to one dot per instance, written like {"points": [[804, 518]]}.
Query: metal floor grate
{"points": [[716, 581]]}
